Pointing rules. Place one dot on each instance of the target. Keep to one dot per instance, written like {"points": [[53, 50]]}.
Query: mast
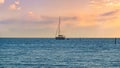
{"points": [[59, 26], [59, 36]]}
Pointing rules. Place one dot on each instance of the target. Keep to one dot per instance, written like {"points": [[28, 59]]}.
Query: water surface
{"points": [[51, 53]]}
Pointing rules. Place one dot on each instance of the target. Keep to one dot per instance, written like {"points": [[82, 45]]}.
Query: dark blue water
{"points": [[51, 53]]}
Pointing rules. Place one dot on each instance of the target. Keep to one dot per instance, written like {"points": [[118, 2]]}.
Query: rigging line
{"points": [[59, 26], [57, 31]]}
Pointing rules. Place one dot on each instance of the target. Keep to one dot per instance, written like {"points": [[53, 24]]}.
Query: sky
{"points": [[79, 18]]}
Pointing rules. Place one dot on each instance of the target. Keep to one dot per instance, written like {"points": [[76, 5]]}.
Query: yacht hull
{"points": [[60, 38]]}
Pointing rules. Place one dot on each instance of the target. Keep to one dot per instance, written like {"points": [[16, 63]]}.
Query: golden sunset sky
{"points": [[79, 18]]}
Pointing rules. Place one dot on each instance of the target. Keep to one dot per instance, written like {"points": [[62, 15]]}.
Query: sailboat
{"points": [[59, 36]]}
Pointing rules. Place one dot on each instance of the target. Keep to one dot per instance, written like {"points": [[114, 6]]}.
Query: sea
{"points": [[51, 53]]}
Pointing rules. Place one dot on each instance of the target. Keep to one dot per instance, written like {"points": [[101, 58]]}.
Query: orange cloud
{"points": [[105, 3], [2, 1], [13, 7], [30, 13]]}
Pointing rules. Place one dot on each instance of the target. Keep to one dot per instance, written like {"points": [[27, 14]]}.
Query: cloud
{"points": [[108, 16], [63, 18], [2, 1], [30, 13], [34, 16], [105, 3], [70, 18], [42, 20], [106, 19], [17, 2], [15, 6], [110, 13]]}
